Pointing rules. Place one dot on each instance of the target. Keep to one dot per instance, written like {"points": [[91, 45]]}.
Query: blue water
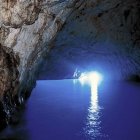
{"points": [[68, 110]]}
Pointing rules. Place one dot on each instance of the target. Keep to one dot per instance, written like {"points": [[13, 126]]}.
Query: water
{"points": [[68, 110]]}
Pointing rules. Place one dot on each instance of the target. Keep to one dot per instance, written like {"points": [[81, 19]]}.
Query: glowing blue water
{"points": [[67, 110]]}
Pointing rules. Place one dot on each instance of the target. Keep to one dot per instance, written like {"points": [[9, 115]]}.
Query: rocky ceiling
{"points": [[98, 34]]}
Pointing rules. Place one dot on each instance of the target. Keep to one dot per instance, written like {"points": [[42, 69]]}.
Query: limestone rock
{"points": [[26, 29], [101, 35]]}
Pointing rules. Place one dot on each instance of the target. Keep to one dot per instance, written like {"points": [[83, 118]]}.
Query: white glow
{"points": [[91, 78]]}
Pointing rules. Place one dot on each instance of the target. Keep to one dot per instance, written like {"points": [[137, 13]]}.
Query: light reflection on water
{"points": [[92, 79], [92, 128], [66, 111]]}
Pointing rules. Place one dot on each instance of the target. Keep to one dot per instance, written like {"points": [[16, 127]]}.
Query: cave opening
{"points": [[91, 40]]}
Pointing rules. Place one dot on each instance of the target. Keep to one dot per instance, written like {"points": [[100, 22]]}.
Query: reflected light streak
{"points": [[94, 98], [93, 79]]}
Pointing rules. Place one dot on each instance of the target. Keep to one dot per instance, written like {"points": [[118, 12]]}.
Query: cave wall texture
{"points": [[101, 34], [27, 27]]}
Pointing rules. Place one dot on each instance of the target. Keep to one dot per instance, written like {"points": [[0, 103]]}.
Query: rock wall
{"points": [[102, 35], [27, 28], [9, 82]]}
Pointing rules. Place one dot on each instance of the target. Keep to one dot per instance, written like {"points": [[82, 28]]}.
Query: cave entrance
{"points": [[89, 41]]}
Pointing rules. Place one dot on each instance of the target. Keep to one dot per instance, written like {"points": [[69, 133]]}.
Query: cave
{"points": [[66, 46]]}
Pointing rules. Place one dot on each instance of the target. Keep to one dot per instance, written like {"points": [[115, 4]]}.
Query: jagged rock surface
{"points": [[101, 35], [27, 27]]}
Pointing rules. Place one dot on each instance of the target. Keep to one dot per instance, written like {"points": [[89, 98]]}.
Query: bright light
{"points": [[92, 78]]}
